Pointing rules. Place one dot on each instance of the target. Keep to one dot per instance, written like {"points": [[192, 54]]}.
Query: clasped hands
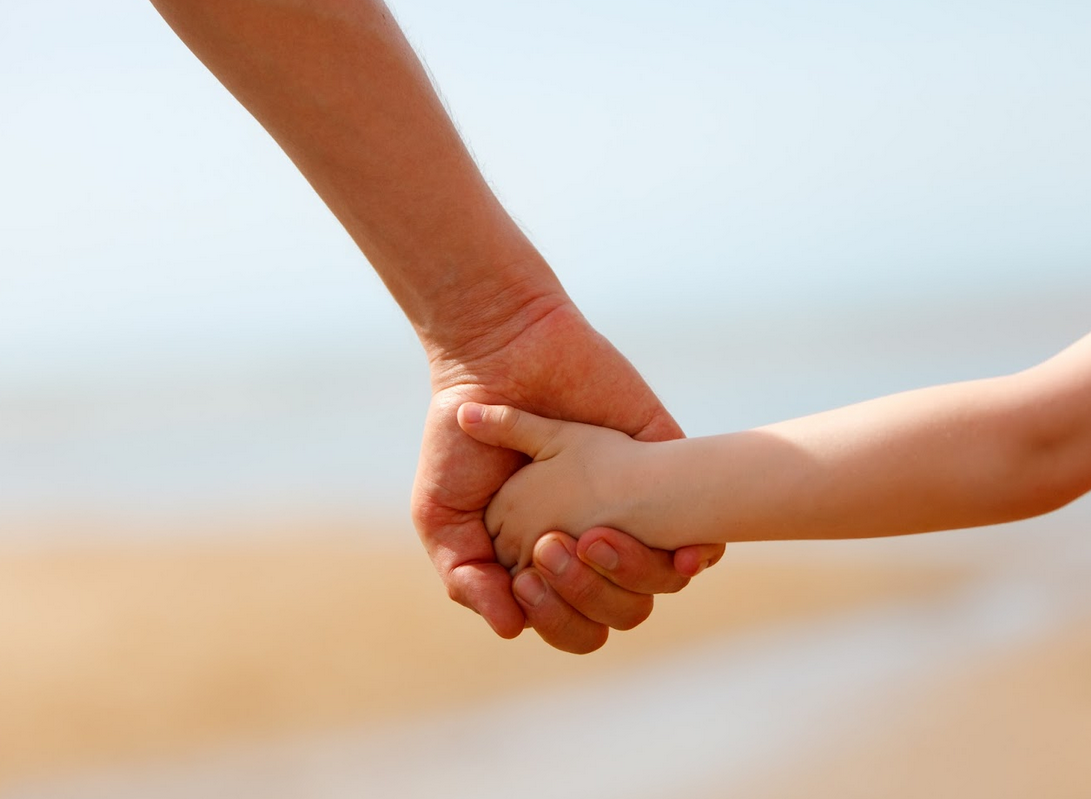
{"points": [[574, 591]]}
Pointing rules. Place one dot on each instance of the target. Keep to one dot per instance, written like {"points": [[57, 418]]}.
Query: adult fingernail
{"points": [[603, 555], [553, 555], [704, 565], [529, 587]]}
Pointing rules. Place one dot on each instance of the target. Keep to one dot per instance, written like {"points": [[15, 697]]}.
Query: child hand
{"points": [[578, 479]]}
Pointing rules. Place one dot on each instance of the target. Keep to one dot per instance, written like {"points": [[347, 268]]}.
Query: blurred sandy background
{"points": [[210, 411], [111, 654], [315, 665]]}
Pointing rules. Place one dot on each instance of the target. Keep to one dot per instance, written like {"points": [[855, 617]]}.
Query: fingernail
{"points": [[704, 565], [472, 413], [554, 556], [602, 554], [529, 587]]}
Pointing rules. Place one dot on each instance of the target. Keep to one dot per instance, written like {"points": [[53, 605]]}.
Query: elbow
{"points": [[1038, 425], [1049, 471]]}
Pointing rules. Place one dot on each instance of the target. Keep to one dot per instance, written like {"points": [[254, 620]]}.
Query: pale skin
{"points": [[338, 87], [953, 456]]}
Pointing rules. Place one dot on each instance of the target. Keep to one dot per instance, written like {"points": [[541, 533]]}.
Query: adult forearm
{"points": [[339, 88]]}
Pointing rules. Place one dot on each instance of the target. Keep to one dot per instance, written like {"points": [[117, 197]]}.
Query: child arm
{"points": [[959, 455]]}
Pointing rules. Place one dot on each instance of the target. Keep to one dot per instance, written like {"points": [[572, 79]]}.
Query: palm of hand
{"points": [[558, 367]]}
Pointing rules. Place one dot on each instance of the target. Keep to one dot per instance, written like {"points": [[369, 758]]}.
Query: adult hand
{"points": [[340, 89], [548, 360]]}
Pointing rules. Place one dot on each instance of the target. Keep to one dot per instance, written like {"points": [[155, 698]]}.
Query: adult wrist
{"points": [[488, 311]]}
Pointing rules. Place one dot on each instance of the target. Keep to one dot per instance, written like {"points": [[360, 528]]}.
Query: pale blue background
{"points": [[772, 207]]}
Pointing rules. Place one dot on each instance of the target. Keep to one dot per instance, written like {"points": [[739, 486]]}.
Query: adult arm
{"points": [[959, 455], [339, 88]]}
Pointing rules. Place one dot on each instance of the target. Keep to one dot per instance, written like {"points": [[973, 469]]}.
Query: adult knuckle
{"points": [[425, 513], [586, 592], [636, 614], [455, 591]]}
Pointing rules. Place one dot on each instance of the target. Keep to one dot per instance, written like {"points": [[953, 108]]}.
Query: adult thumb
{"points": [[505, 426]]}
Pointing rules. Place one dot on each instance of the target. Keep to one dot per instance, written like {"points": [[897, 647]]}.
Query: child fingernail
{"points": [[554, 557], [603, 555], [529, 587], [472, 412]]}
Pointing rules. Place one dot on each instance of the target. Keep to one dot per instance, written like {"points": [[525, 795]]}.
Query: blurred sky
{"points": [[772, 207]]}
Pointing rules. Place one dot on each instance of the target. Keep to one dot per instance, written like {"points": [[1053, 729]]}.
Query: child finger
{"points": [[505, 426]]}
